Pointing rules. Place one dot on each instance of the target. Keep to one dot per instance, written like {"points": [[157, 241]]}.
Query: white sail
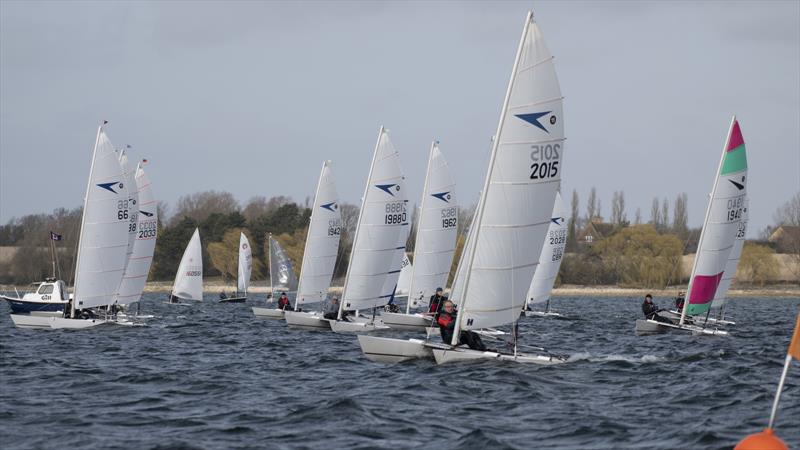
{"points": [[322, 242], [723, 216], [550, 258], [436, 230], [520, 187], [281, 273], [189, 279], [404, 280], [457, 288], [133, 195], [138, 267], [103, 242], [381, 232], [733, 260], [245, 264]]}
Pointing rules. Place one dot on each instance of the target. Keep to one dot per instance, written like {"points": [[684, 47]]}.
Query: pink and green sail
{"points": [[724, 213]]}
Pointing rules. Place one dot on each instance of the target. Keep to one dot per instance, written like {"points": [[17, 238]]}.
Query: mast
{"points": [[358, 224], [705, 224], [269, 263], [482, 201], [419, 221], [308, 235]]}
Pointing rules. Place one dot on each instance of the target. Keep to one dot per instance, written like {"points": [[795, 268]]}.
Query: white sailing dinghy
{"points": [[243, 273], [319, 257], [434, 246], [189, 279], [102, 245], [146, 231], [726, 208], [549, 263], [379, 242], [514, 212]]}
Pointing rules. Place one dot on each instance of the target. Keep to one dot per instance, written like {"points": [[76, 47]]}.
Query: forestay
{"points": [[138, 267], [281, 273], [189, 279], [381, 232], [552, 254], [724, 213], [103, 242], [436, 230], [245, 264], [520, 187], [733, 260], [322, 242]]}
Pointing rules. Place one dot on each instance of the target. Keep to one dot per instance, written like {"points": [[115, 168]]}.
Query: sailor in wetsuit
{"points": [[436, 301], [447, 323], [650, 310], [283, 302]]}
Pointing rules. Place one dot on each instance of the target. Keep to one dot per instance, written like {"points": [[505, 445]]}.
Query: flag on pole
{"points": [[55, 237], [794, 346]]}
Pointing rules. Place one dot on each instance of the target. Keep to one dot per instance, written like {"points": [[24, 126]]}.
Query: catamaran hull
{"points": [[456, 354], [344, 327], [306, 321], [542, 314], [410, 322], [268, 313], [233, 300], [390, 350], [19, 306], [54, 323], [652, 327]]}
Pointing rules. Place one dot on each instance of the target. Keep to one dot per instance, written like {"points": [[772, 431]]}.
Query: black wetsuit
{"points": [[436, 303], [650, 311], [447, 323]]}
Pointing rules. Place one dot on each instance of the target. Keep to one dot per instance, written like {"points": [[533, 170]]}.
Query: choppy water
{"points": [[214, 376]]}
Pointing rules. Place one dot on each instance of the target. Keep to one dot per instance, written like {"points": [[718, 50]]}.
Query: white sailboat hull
{"points": [[456, 354], [359, 326], [391, 350], [54, 323], [306, 321], [268, 313], [411, 322], [542, 314]]}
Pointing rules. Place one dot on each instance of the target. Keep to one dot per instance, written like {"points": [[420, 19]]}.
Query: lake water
{"points": [[213, 376]]}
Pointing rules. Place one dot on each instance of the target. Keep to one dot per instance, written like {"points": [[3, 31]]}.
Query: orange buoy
{"points": [[766, 440]]}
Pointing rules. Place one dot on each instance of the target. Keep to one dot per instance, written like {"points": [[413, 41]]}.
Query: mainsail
{"points": [[130, 291], [550, 259], [103, 242], [245, 264], [523, 176], [189, 279], [381, 232], [733, 260], [404, 281], [436, 231], [322, 242], [281, 273], [724, 213]]}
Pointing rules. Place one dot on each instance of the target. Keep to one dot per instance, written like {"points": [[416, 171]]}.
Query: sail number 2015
{"points": [[395, 213], [545, 161]]}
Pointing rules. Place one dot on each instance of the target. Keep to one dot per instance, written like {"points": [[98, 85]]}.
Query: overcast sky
{"points": [[251, 97]]}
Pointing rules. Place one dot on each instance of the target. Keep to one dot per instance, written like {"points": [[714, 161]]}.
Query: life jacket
{"points": [[445, 319]]}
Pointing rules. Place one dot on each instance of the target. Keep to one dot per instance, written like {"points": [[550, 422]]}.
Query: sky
{"points": [[251, 97]]}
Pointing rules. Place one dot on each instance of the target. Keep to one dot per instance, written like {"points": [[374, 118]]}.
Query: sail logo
{"points": [[244, 246], [739, 186], [557, 220], [148, 214], [332, 206], [469, 322], [110, 186], [533, 119], [388, 188], [443, 196]]}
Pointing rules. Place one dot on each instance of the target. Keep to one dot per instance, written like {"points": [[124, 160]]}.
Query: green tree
{"points": [[224, 255], [170, 245], [757, 264], [638, 256]]}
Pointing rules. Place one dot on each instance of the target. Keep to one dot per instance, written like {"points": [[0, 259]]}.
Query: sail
{"points": [[724, 213], [381, 232], [103, 243], [733, 260], [322, 241], [404, 280], [281, 273], [436, 230], [130, 291], [552, 253], [133, 204], [189, 279], [520, 188], [245, 264], [457, 289]]}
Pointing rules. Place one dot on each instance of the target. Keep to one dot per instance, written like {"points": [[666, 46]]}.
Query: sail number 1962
{"points": [[449, 217]]}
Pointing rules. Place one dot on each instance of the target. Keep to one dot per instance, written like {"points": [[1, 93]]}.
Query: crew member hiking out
{"points": [[650, 310], [447, 323]]}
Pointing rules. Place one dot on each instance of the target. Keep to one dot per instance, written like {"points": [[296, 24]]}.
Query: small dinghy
{"points": [[189, 279], [549, 262], [319, 255], [281, 278], [243, 274], [722, 227]]}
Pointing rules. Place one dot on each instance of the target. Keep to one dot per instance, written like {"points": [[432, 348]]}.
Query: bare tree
{"points": [[591, 205], [789, 212], [638, 220], [618, 216], [655, 213], [573, 222], [200, 205], [680, 216], [665, 214]]}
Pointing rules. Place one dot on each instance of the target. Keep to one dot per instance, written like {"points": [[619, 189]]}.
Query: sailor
{"points": [[679, 301], [332, 311], [222, 295], [283, 302], [650, 310], [436, 302], [447, 323]]}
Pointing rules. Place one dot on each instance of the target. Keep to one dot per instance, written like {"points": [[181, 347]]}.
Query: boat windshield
{"points": [[45, 289]]}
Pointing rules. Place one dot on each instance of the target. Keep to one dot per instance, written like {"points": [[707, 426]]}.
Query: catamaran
{"points": [[378, 244], [434, 246], [102, 245], [189, 279], [243, 273], [721, 228], [319, 256], [549, 263]]}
